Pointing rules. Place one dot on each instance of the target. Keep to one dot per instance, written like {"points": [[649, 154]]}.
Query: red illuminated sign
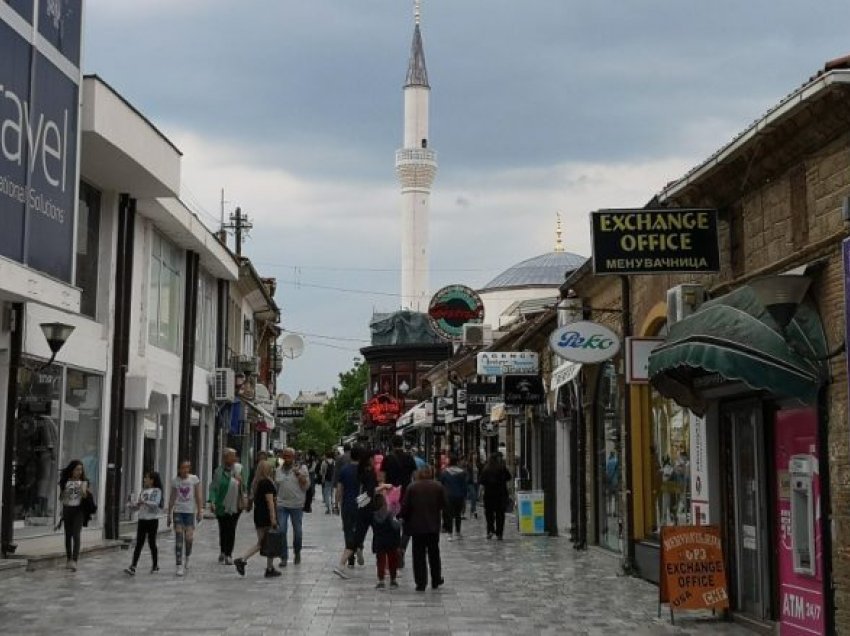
{"points": [[382, 410]]}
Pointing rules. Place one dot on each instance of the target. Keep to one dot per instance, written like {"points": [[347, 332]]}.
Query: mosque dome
{"points": [[546, 270]]}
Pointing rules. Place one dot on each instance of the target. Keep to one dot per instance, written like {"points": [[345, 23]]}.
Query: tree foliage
{"points": [[322, 427]]}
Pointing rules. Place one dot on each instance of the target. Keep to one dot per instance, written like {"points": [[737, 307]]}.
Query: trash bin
{"points": [[530, 508]]}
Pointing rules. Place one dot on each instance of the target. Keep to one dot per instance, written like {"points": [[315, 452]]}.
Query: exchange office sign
{"points": [[655, 241], [693, 575], [584, 341], [39, 108], [451, 308]]}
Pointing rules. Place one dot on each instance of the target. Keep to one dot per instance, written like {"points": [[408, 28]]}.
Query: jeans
{"points": [[72, 518], [146, 531], [427, 545], [349, 526], [453, 514], [472, 497], [327, 495], [297, 516], [227, 532]]}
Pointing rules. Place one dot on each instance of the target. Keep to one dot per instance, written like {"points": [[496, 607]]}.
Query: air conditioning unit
{"points": [[224, 388], [248, 365], [477, 335], [683, 300]]}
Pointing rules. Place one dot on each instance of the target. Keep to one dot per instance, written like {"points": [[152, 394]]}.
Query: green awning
{"points": [[733, 338]]}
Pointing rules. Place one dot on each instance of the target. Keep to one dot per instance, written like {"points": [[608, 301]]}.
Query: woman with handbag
{"points": [[265, 521], [73, 491]]}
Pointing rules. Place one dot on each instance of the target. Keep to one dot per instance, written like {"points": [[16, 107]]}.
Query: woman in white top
{"points": [[184, 507], [73, 488]]}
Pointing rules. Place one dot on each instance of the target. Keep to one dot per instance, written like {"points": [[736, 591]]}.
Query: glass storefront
{"points": [[59, 419], [670, 464], [609, 459]]}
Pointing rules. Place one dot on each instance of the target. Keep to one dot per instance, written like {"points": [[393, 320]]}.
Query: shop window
{"points": [[88, 247], [205, 330], [670, 464], [81, 418], [164, 296], [609, 460]]}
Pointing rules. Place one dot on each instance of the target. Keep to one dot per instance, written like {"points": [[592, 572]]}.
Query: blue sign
{"points": [[39, 108]]}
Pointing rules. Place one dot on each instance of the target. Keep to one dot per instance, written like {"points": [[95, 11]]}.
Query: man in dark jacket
{"points": [[423, 502]]}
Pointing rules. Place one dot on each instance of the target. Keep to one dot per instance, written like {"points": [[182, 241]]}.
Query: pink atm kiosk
{"points": [[798, 523]]}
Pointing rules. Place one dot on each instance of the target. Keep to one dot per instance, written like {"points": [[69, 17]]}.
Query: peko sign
{"points": [[655, 241], [451, 308], [39, 108], [584, 341]]}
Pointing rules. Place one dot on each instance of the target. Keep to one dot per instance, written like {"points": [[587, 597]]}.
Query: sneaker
{"points": [[131, 570], [297, 559], [73, 566], [360, 559], [228, 561], [380, 585], [221, 558], [68, 564], [240, 566], [271, 573], [180, 570], [393, 583], [341, 573], [450, 538], [281, 563], [154, 569]]}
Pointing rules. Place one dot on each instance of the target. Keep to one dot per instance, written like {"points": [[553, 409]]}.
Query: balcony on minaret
{"points": [[416, 168]]}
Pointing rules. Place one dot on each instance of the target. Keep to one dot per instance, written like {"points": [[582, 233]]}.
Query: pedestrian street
{"points": [[522, 585]]}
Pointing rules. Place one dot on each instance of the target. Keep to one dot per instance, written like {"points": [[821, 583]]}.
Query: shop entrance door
{"points": [[749, 501]]}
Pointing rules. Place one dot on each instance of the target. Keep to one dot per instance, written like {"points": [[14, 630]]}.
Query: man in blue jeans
{"points": [[292, 482]]}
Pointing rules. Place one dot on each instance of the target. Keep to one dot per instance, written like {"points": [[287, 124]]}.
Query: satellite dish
{"points": [[292, 346]]}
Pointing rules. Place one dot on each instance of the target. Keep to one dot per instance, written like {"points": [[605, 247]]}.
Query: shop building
{"points": [[744, 423]]}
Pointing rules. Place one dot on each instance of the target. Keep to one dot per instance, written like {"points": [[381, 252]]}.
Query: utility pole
{"points": [[239, 224]]}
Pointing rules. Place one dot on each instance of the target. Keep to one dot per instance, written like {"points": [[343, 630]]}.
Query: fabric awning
{"points": [[734, 339], [263, 413]]}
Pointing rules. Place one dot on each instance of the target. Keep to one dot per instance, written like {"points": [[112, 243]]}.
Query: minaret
{"points": [[416, 167]]}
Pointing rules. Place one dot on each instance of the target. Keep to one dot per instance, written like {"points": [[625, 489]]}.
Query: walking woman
{"points": [[265, 518], [149, 505], [73, 489], [184, 507], [494, 479]]}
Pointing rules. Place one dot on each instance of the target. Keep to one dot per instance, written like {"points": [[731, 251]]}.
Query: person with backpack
{"points": [[150, 504]]}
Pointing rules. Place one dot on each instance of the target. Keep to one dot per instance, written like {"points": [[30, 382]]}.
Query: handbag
{"points": [[272, 544]]}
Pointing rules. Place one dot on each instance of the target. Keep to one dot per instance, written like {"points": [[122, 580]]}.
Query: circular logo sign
{"points": [[584, 341], [451, 308]]}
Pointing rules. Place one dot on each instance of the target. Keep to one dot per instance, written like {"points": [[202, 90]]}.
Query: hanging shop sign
{"points": [[523, 390], [382, 410], [566, 372], [453, 307], [584, 341], [460, 403], [481, 397], [39, 114], [289, 412], [499, 363], [637, 358], [655, 241], [693, 575]]}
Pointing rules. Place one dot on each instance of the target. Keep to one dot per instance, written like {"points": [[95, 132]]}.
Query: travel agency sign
{"points": [[451, 308], [655, 241], [39, 114], [585, 342]]}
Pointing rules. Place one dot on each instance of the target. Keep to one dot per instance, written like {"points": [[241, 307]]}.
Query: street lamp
{"points": [[56, 334]]}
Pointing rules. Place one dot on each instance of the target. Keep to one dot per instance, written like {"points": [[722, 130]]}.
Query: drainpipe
{"points": [[120, 360], [223, 306], [187, 375], [7, 528], [826, 513], [628, 530]]}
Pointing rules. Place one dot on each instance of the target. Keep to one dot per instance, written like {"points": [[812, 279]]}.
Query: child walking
{"points": [[149, 505], [184, 508], [386, 540]]}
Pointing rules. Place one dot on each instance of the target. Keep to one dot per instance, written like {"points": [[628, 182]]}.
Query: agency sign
{"points": [[451, 308], [655, 241], [499, 363], [584, 341], [39, 108]]}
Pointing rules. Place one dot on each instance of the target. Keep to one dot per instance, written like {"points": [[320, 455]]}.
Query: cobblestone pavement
{"points": [[524, 585]]}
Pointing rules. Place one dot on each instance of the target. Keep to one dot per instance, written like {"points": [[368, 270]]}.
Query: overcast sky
{"points": [[294, 107]]}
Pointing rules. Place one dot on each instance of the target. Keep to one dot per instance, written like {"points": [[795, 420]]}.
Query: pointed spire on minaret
{"points": [[417, 74], [559, 245]]}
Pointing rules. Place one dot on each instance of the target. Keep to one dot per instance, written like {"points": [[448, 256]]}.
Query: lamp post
{"points": [[56, 334]]}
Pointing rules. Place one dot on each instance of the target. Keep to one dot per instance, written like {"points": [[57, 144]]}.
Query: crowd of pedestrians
{"points": [[397, 496]]}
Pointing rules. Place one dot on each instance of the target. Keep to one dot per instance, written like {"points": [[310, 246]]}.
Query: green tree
{"points": [[322, 427]]}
